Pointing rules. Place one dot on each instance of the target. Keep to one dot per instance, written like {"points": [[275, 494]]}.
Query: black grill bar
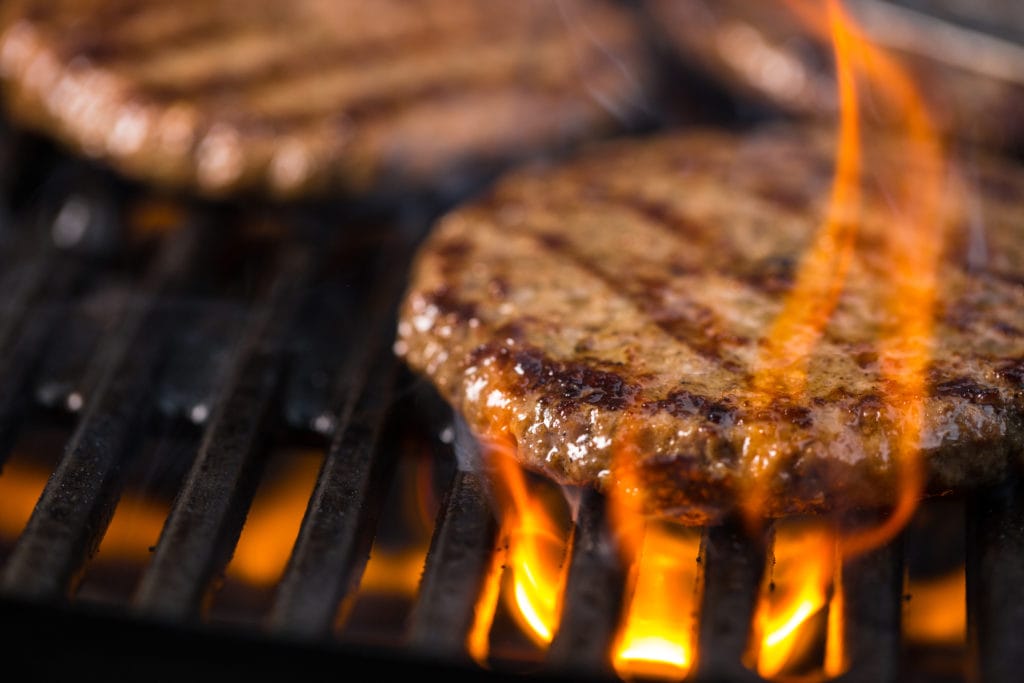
{"points": [[322, 344], [68, 372], [873, 589], [995, 584], [337, 531], [24, 350], [196, 368], [23, 293], [207, 516], [456, 566], [593, 595], [734, 563], [76, 505]]}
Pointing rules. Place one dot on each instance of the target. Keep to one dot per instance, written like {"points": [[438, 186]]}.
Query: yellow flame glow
{"points": [[797, 589], [536, 545], [657, 637]]}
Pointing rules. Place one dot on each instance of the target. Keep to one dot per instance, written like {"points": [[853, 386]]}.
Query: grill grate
{"points": [[995, 593], [307, 358]]}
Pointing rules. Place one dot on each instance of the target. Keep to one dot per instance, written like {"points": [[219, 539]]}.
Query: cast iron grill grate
{"points": [[115, 329]]}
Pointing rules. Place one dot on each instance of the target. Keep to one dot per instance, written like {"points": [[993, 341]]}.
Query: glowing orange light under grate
{"points": [[800, 607], [658, 634], [529, 567]]}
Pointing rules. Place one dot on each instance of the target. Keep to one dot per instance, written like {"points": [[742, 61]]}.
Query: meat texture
{"points": [[320, 96], [608, 316]]}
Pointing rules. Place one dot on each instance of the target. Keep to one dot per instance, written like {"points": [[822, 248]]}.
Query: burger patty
{"points": [[763, 52], [609, 313], [318, 96]]}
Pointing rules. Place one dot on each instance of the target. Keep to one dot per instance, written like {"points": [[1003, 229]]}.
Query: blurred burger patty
{"points": [[314, 96]]}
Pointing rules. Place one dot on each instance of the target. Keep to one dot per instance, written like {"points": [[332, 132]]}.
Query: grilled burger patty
{"points": [[763, 52], [318, 95], [617, 304]]}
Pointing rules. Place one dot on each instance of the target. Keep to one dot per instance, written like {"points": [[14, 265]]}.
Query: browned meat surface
{"points": [[318, 95], [622, 299], [760, 50]]}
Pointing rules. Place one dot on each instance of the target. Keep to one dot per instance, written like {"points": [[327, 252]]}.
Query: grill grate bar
{"points": [[733, 566], [20, 359], [322, 345], [196, 368], [207, 516], [873, 586], [995, 584], [77, 503], [593, 595], [337, 531], [454, 571], [26, 291], [68, 371]]}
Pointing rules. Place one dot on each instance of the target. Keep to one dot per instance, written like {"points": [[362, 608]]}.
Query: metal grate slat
{"points": [[995, 584], [207, 516], [593, 595], [76, 505], [873, 588], [337, 531], [21, 358], [455, 569], [733, 564]]}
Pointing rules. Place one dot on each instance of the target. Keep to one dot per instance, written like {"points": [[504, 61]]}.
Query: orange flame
{"points": [[20, 488], [394, 573], [478, 643], [912, 246], [782, 366], [534, 556], [657, 637], [806, 603], [791, 616]]}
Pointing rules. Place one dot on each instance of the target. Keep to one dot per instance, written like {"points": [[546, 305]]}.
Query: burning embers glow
{"points": [[937, 610]]}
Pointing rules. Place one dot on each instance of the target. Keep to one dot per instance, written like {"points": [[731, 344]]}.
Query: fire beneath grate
{"points": [[213, 463]]}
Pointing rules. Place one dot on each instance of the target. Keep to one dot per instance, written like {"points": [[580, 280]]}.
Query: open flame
{"points": [[529, 570], [657, 638], [805, 569], [800, 609], [800, 614]]}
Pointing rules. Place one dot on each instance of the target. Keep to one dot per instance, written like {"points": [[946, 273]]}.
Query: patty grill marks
{"points": [[660, 265], [331, 92]]}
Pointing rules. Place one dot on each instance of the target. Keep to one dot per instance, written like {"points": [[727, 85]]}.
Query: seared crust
{"points": [[317, 96], [622, 299]]}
